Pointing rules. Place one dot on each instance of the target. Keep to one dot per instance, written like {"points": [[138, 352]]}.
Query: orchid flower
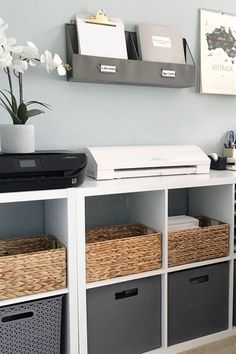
{"points": [[19, 66], [6, 50], [5, 58], [59, 65], [15, 60], [30, 53], [8, 46], [2, 38], [2, 26], [52, 63]]}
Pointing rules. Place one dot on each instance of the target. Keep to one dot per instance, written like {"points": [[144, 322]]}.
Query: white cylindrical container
{"points": [[17, 138]]}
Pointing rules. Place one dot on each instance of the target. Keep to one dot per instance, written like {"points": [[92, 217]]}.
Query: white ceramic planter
{"points": [[17, 138]]}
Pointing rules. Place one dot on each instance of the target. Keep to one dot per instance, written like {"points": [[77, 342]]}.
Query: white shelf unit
{"points": [[50, 212], [234, 222], [147, 200]]}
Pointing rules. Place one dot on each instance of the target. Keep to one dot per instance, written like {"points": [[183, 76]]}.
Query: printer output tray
{"points": [[17, 184]]}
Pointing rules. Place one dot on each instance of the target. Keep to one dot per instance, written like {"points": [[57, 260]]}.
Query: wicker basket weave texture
{"points": [[30, 265], [207, 242], [118, 250]]}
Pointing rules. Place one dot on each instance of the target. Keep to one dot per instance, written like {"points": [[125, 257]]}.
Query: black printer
{"points": [[41, 170]]}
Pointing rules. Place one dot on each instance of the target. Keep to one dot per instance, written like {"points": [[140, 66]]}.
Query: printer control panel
{"points": [[27, 163]]}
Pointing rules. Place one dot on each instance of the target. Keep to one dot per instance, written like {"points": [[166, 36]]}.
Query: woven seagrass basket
{"points": [[209, 241], [30, 265], [118, 250]]}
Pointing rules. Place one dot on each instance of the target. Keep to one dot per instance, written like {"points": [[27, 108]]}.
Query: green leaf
{"points": [[13, 101], [14, 117], [34, 112], [6, 98], [14, 104], [22, 113], [4, 104], [40, 103]]}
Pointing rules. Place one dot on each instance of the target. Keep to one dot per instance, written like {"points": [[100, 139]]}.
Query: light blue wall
{"points": [[95, 114]]}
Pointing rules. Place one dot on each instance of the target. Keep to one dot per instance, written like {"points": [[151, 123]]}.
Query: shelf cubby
{"points": [[48, 212]]}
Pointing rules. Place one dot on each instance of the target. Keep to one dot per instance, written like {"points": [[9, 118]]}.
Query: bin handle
{"points": [[126, 293], [200, 279], [17, 316]]}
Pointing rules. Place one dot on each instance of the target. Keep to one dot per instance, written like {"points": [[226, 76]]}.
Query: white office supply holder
{"points": [[230, 153]]}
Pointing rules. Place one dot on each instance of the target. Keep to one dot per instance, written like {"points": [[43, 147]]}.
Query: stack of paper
{"points": [[101, 40], [182, 222], [161, 44]]}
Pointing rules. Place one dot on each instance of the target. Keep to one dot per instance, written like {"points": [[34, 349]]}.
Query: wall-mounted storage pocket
{"points": [[129, 71]]}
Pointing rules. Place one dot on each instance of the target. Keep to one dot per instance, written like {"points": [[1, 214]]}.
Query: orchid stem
{"points": [[20, 87], [9, 80]]}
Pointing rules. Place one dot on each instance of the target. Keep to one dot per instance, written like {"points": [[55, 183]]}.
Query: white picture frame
{"points": [[217, 52]]}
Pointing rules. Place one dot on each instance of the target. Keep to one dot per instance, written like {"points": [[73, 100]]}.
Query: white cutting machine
{"points": [[109, 162]]}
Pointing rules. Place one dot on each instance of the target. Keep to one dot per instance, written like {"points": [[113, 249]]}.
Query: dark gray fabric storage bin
{"points": [[125, 318], [197, 302], [234, 298], [31, 327]]}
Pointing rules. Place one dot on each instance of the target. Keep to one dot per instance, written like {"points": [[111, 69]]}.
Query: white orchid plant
{"points": [[14, 61]]}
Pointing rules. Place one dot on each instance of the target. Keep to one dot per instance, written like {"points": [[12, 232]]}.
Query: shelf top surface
{"points": [[34, 195], [91, 187]]}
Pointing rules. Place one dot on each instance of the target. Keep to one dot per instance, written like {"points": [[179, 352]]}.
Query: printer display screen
{"points": [[27, 163]]}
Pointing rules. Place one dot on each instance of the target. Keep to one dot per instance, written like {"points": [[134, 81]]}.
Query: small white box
{"points": [[182, 219]]}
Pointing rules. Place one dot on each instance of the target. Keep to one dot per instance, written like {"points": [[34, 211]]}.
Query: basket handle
{"points": [[17, 316], [198, 280], [126, 293]]}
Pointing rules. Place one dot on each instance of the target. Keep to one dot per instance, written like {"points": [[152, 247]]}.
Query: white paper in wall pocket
{"points": [[101, 40]]}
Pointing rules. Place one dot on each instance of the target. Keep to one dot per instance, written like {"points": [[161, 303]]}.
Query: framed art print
{"points": [[217, 52]]}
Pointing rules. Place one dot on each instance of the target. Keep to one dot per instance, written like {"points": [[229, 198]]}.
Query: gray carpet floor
{"points": [[224, 346]]}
